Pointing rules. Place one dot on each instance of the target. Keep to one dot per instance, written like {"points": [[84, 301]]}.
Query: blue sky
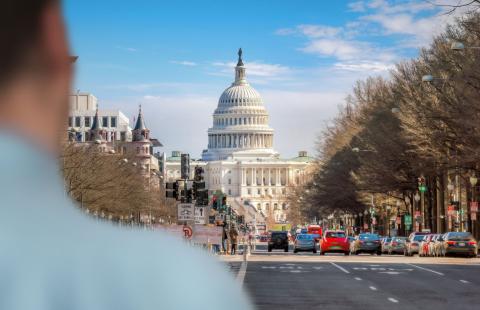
{"points": [[176, 58]]}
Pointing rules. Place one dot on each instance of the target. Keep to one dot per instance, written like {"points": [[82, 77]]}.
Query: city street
{"points": [[280, 280]]}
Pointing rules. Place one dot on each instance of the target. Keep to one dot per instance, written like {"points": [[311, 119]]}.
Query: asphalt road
{"points": [[281, 280]]}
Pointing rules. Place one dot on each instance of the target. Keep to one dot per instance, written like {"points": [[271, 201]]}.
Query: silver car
{"points": [[413, 243], [305, 243]]}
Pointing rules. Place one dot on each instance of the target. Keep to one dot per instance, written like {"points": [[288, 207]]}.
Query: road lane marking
{"points": [[464, 281], [426, 269], [393, 300], [340, 267], [373, 288], [242, 272], [358, 279], [317, 268]]}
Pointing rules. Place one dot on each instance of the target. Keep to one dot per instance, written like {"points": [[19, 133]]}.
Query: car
{"points": [[413, 243], [305, 243], [315, 230], [278, 240], [462, 243], [263, 238], [424, 245], [366, 243], [385, 242], [433, 246], [334, 241], [397, 245]]}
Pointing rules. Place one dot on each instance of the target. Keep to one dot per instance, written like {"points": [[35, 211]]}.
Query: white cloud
{"points": [[358, 6], [257, 69], [319, 31], [184, 63], [364, 66], [338, 48]]}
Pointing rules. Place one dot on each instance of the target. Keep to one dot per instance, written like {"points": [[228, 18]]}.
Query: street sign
{"points": [[399, 220], [417, 213], [186, 212], [200, 215], [408, 220], [473, 216], [474, 206], [422, 188]]}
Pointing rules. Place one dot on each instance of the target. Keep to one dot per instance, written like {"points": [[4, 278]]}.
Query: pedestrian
{"points": [[233, 239], [53, 256]]}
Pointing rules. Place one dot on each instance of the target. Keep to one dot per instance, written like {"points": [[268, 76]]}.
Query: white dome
{"points": [[240, 122], [240, 95]]}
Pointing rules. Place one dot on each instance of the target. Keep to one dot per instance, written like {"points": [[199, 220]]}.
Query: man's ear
{"points": [[53, 40]]}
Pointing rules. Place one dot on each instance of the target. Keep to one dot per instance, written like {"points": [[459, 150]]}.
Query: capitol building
{"points": [[240, 160]]}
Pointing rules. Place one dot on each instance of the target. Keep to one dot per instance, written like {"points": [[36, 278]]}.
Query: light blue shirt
{"points": [[52, 256]]}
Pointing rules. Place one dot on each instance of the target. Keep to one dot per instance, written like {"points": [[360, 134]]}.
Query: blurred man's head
{"points": [[35, 70]]}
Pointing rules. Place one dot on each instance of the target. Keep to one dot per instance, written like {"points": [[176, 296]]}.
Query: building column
{"points": [[269, 182], [278, 177], [243, 176], [261, 177]]}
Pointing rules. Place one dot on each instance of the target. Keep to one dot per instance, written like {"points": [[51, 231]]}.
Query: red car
{"points": [[334, 241], [315, 230]]}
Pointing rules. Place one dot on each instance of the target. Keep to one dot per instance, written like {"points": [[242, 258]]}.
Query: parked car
{"points": [[334, 241], [366, 243], [423, 246], [305, 242], [397, 245], [462, 243], [413, 243], [385, 243], [434, 246], [278, 240]]}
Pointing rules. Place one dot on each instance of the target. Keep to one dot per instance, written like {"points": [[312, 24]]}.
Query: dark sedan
{"points": [[461, 243], [366, 243]]}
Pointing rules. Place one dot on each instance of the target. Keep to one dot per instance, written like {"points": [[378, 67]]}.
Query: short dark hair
{"points": [[19, 31]]}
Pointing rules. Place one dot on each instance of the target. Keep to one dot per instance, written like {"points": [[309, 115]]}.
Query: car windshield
{"points": [[459, 236], [418, 237], [401, 240], [335, 234], [279, 235], [368, 237], [305, 237]]}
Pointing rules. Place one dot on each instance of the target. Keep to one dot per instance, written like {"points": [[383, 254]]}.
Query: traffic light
{"points": [[201, 197], [185, 166], [171, 190], [198, 175]]}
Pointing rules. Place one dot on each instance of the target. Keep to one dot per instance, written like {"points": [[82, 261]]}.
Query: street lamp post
{"points": [[417, 219], [473, 215]]}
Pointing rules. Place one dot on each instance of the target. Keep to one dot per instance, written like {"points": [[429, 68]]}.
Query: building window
{"points": [[138, 150], [284, 191], [123, 136], [249, 191], [113, 122], [229, 181], [274, 191], [229, 192], [259, 207], [70, 121], [284, 206], [87, 121], [78, 121], [258, 192], [275, 206], [105, 121]]}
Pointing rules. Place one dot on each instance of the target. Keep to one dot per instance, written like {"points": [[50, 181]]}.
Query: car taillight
{"points": [[472, 243], [377, 241], [451, 242], [394, 243], [362, 242]]}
